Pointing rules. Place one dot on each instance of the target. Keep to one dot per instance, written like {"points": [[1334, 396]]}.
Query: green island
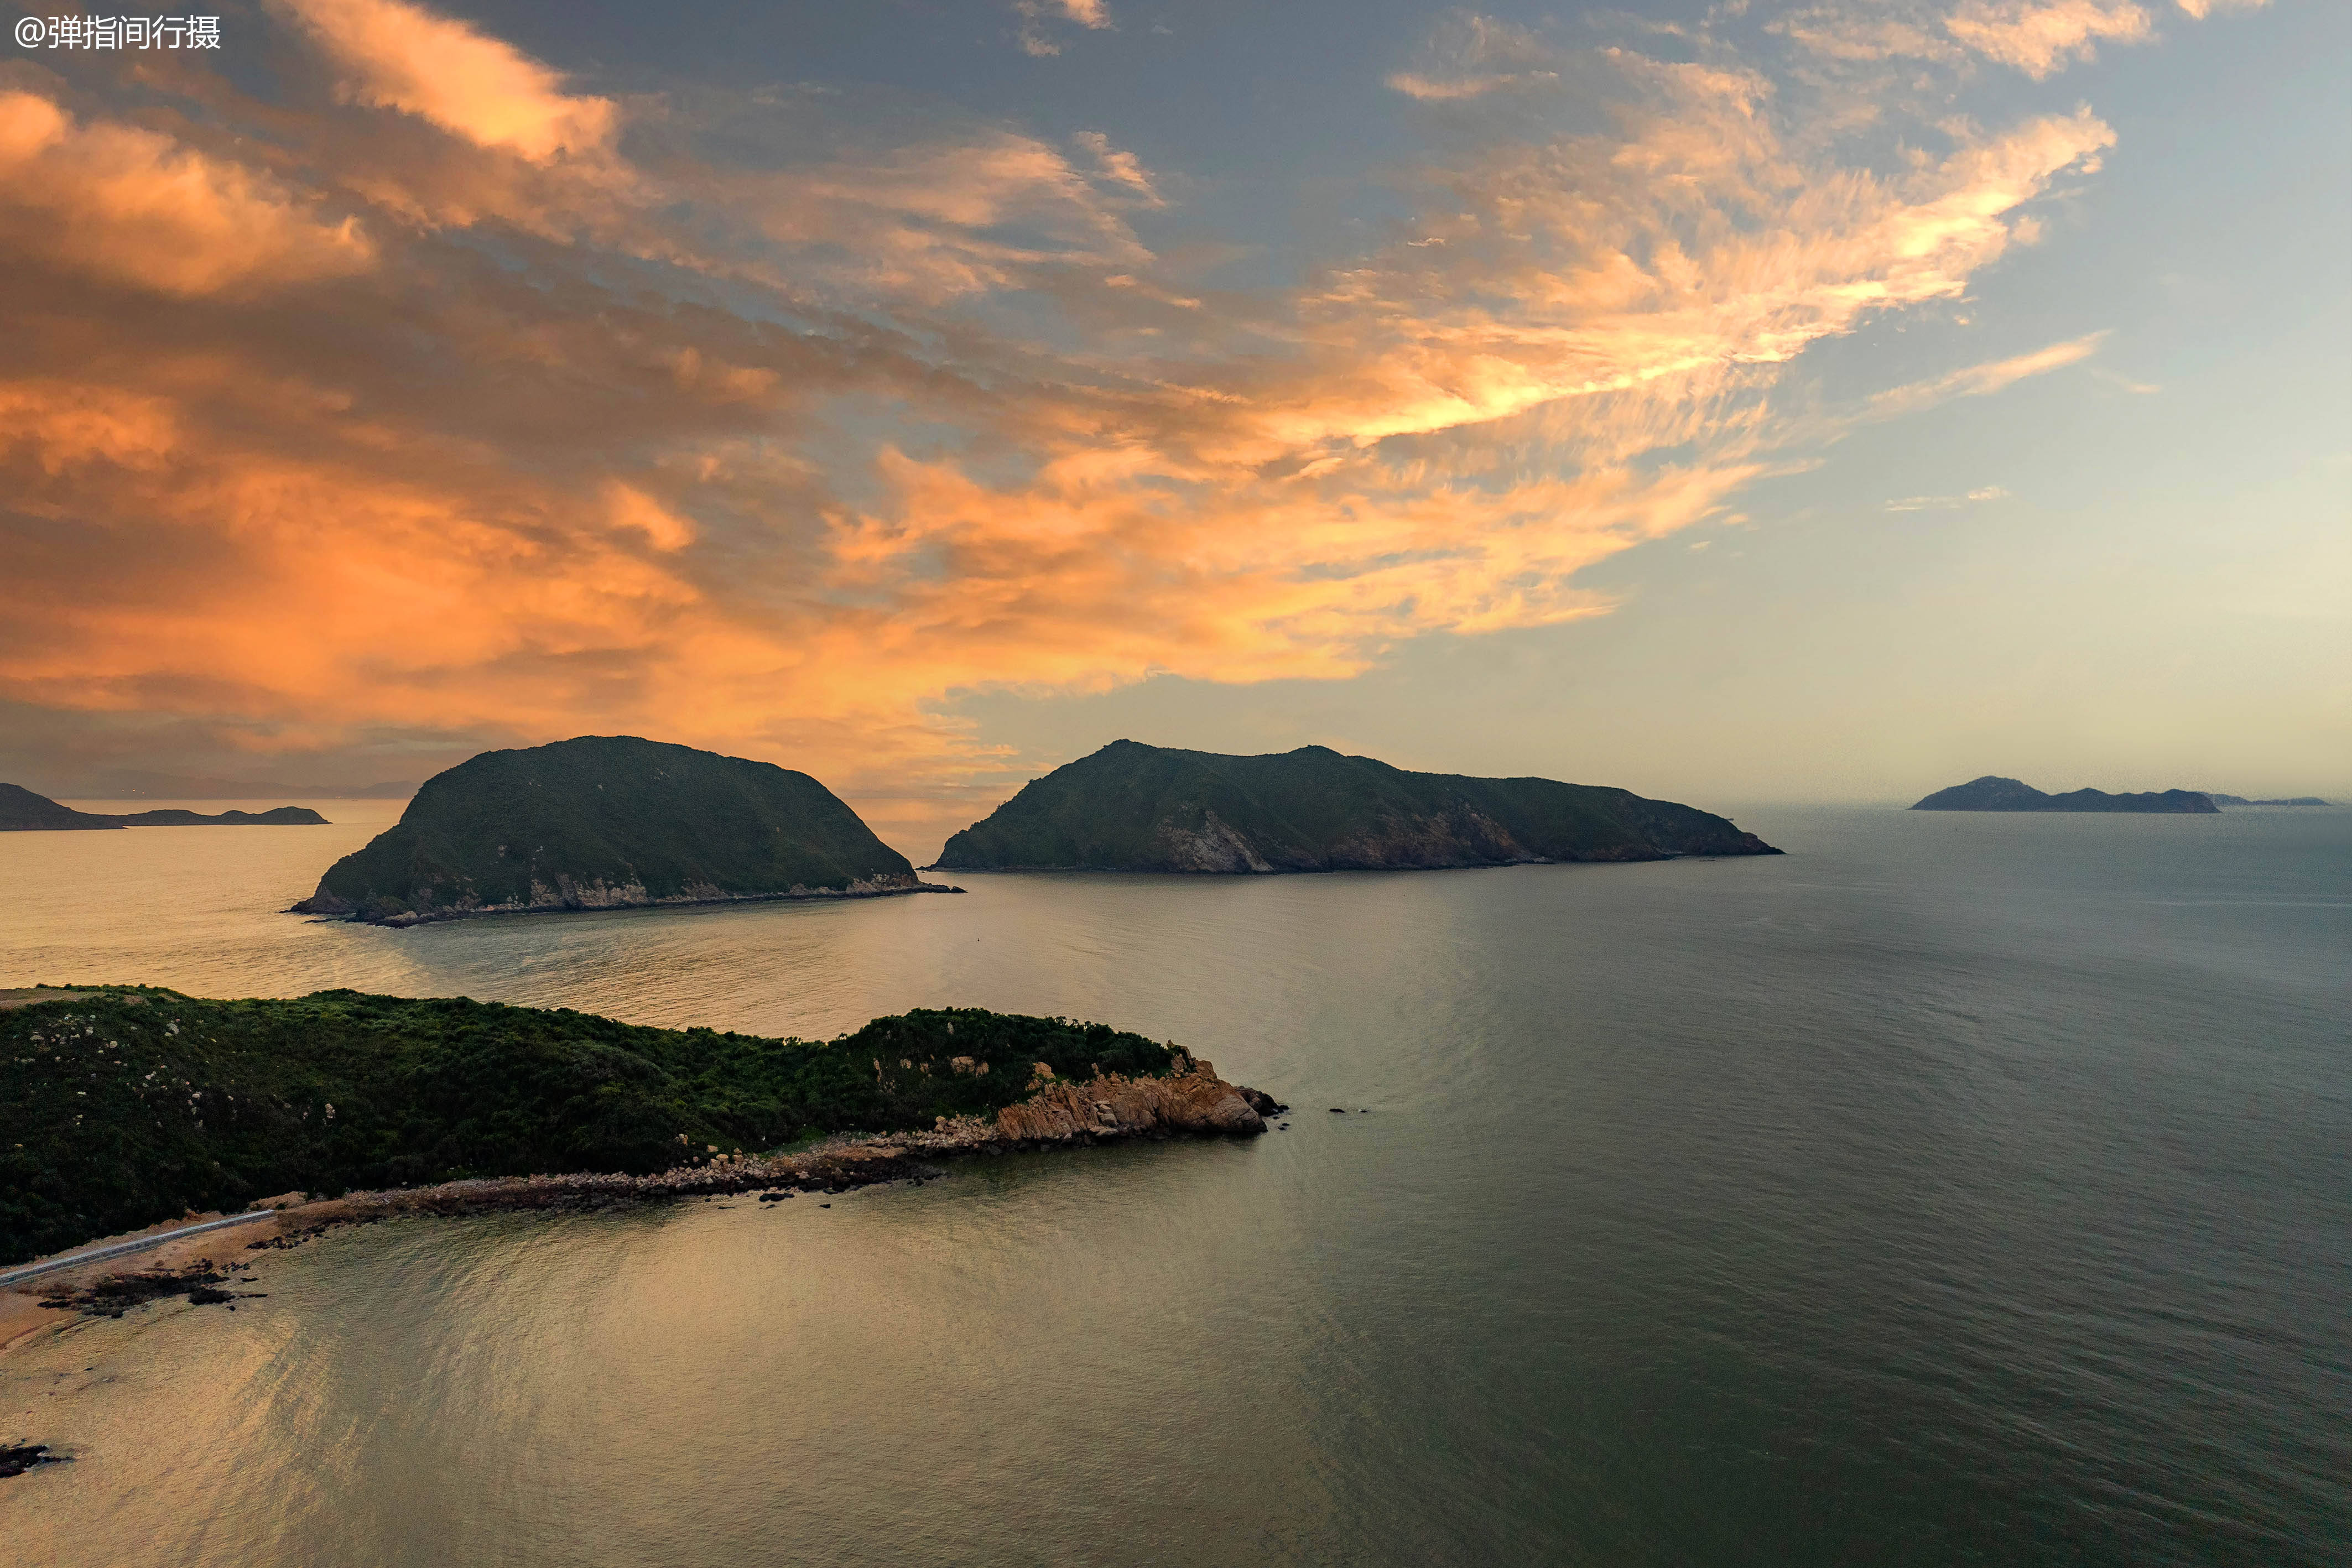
{"points": [[1131, 807], [124, 1106], [609, 822]]}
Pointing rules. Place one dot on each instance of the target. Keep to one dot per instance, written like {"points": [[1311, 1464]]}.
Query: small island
{"points": [[1993, 793], [2219, 799], [1131, 807], [22, 811], [124, 1106], [609, 822]]}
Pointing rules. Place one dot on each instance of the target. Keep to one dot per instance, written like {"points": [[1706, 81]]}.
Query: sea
{"points": [[1952, 1190]]}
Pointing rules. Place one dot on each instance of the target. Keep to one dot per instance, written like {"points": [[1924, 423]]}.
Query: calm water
{"points": [[1955, 1189]]}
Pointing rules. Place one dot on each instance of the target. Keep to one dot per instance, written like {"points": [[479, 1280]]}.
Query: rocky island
{"points": [[1131, 807], [124, 1106], [23, 811], [609, 822], [1993, 793]]}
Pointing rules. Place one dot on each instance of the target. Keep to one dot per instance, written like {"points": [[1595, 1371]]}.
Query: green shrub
{"points": [[121, 1110]]}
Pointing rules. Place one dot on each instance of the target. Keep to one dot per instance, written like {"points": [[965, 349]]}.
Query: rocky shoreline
{"points": [[571, 899], [1062, 1114]]}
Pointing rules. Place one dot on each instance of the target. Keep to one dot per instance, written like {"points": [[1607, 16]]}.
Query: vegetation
{"points": [[127, 1107], [1131, 807], [572, 823]]}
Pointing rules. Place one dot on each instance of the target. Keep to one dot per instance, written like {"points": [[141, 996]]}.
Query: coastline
{"points": [[1605, 859], [1064, 1114], [402, 921]]}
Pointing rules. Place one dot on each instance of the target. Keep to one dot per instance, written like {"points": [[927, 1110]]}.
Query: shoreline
{"points": [[1659, 858], [1063, 1115], [402, 921]]}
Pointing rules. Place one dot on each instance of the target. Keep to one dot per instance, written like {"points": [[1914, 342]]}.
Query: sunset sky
{"points": [[1735, 403]]}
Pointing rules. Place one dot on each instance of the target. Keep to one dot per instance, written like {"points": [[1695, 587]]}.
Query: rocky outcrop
{"points": [[1064, 1111], [18, 1457], [1213, 845], [568, 893]]}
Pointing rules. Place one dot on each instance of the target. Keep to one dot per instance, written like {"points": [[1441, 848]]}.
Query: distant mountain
{"points": [[1131, 807], [21, 810], [1993, 793], [2241, 801], [609, 822]]}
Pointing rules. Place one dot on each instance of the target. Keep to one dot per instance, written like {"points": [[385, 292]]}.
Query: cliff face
{"points": [[1142, 808], [1994, 793], [605, 822], [21, 810]]}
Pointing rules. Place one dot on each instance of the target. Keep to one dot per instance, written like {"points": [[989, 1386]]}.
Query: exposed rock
{"points": [[1263, 1103], [23, 1457], [1197, 1102]]}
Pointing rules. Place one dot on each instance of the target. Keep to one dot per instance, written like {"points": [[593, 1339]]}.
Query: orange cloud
{"points": [[2040, 36], [136, 207], [1983, 380], [781, 455], [1094, 14], [396, 56]]}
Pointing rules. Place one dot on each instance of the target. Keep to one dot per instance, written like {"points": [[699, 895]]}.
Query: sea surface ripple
{"points": [[1954, 1190]]}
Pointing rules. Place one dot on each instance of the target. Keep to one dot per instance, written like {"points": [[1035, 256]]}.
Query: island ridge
{"points": [[1994, 793], [22, 811], [1131, 807]]}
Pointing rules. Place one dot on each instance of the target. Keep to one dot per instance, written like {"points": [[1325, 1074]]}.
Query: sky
{"points": [[1735, 403]]}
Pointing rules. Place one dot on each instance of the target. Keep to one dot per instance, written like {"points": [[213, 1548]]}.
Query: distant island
{"points": [[609, 822], [1993, 793], [124, 1106], [1131, 807], [2241, 801], [22, 811]]}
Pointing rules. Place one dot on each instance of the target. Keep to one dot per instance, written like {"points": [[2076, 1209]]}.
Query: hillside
{"points": [[608, 821], [1131, 807], [128, 1106], [1993, 793], [21, 810]]}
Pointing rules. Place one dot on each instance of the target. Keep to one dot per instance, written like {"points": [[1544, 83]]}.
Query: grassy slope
{"points": [[1296, 807], [615, 808], [118, 1112]]}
